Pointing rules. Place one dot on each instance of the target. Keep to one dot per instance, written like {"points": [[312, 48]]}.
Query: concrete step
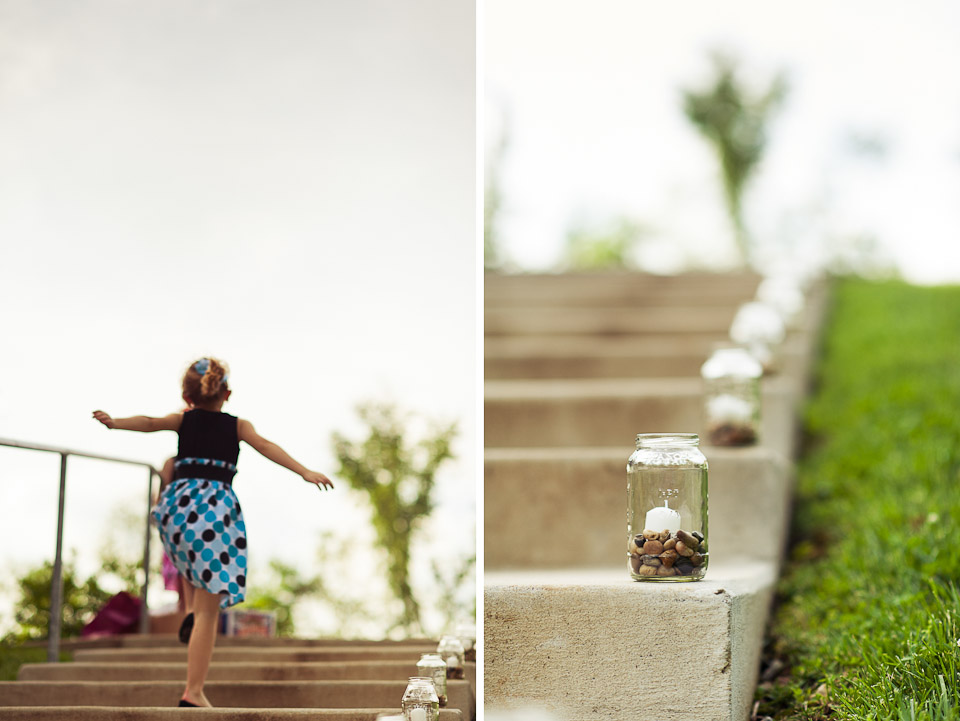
{"points": [[566, 507], [135, 640], [235, 694], [588, 362], [236, 671], [248, 655], [232, 671], [625, 320], [592, 644], [564, 345], [101, 713], [611, 411], [616, 288]]}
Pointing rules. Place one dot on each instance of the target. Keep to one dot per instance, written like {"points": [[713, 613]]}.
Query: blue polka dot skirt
{"points": [[203, 533]]}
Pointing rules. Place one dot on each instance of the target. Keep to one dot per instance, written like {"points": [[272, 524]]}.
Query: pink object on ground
{"points": [[121, 614]]}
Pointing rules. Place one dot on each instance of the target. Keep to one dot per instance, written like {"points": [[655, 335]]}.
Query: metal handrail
{"points": [[56, 583]]}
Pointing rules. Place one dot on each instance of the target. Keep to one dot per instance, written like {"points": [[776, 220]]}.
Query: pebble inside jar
{"points": [[667, 508]]}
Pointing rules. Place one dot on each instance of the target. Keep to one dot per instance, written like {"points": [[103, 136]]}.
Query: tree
{"points": [[81, 602], [398, 481], [288, 586], [450, 580], [735, 123]]}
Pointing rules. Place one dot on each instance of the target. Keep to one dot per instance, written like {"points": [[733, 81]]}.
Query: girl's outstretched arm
{"points": [[269, 449], [144, 424]]}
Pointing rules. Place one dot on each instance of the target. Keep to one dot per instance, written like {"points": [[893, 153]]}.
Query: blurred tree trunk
{"points": [[735, 124], [398, 481]]}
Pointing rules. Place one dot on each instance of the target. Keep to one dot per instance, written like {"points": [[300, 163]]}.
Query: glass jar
{"points": [[760, 328], [432, 665], [667, 508], [784, 295], [451, 650], [467, 633], [731, 378], [420, 701]]}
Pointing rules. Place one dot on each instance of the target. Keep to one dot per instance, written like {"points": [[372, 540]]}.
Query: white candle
{"points": [[659, 519], [730, 409], [418, 714]]}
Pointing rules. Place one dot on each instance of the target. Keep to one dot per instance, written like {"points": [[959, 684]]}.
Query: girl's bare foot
{"points": [[197, 699]]}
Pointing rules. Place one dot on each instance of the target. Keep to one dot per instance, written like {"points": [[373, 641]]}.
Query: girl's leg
{"points": [[186, 598], [206, 611]]}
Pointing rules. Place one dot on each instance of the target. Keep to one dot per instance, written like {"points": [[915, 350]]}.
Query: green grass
{"points": [[14, 656], [867, 621]]}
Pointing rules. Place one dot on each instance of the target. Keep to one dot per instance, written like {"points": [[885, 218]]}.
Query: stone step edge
{"points": [[296, 694], [739, 591], [160, 713], [152, 640], [537, 389]]}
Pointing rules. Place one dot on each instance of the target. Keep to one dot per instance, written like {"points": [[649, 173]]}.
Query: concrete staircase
{"points": [[575, 367], [140, 678]]}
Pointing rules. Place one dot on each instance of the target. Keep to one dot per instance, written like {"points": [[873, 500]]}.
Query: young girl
{"points": [[198, 514]]}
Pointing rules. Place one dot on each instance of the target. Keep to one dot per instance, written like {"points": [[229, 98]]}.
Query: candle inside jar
{"points": [[665, 518], [418, 714], [730, 409]]}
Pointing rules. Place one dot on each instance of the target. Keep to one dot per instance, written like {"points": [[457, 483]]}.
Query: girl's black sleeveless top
{"points": [[208, 446]]}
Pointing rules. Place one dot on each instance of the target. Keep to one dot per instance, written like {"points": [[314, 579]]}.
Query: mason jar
{"points": [[467, 633], [432, 665], [420, 701], [784, 294], [451, 651], [731, 378], [760, 328], [667, 508]]}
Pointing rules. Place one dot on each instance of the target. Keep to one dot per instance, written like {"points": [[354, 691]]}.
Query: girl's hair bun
{"points": [[204, 380]]}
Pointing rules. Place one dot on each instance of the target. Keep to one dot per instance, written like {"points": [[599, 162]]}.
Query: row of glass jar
{"points": [[732, 373], [426, 694], [667, 474]]}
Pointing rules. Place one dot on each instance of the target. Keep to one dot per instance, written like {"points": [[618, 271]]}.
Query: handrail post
{"points": [[144, 610], [56, 583]]}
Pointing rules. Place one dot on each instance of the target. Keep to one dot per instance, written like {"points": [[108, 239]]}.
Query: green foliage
{"points": [[281, 594], [869, 600], [608, 248], [81, 601], [398, 480], [449, 585], [734, 122], [13, 656]]}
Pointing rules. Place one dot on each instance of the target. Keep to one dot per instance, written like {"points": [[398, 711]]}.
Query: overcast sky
{"points": [[590, 97], [288, 186]]}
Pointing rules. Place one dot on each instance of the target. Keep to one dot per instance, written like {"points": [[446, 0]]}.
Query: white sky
{"points": [[287, 186], [590, 94]]}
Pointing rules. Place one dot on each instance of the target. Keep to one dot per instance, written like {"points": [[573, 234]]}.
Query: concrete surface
{"points": [[245, 694], [623, 320], [136, 640], [566, 507], [160, 671], [592, 644], [98, 713], [611, 411], [259, 655], [589, 361], [617, 288]]}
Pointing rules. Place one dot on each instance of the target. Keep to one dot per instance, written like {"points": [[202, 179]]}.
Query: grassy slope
{"points": [[868, 601]]}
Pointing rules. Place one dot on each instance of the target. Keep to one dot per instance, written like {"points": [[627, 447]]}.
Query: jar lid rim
{"points": [[667, 439]]}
